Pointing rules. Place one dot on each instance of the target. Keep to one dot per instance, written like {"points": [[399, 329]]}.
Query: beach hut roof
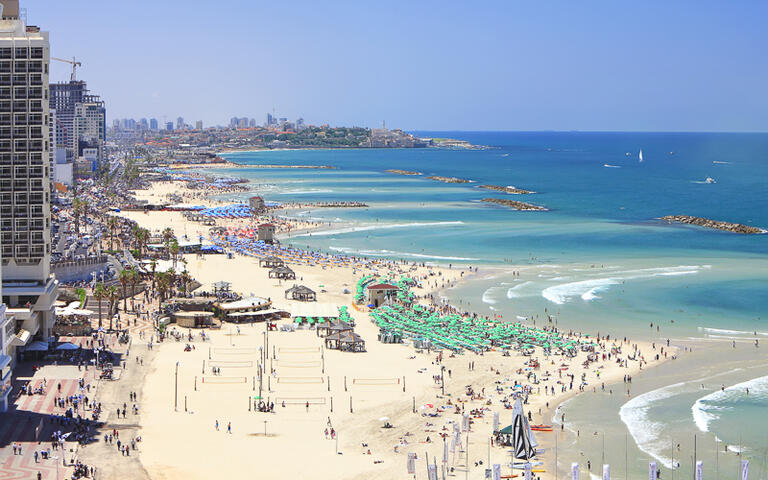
{"points": [[383, 286]]}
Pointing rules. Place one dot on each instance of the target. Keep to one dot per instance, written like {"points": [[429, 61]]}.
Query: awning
{"points": [[268, 311], [38, 346], [21, 338]]}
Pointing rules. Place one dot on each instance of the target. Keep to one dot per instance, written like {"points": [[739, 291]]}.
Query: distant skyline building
{"points": [[153, 124], [169, 126], [199, 125], [180, 123]]}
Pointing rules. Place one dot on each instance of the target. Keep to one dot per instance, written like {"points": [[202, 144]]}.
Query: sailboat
{"points": [[640, 155]]}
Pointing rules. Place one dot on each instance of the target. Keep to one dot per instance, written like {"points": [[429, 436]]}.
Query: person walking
{"points": [[217, 425], [229, 427]]}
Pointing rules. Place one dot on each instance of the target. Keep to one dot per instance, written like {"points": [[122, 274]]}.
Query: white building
{"points": [[28, 288]]}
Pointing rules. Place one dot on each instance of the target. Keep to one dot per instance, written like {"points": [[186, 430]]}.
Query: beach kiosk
{"points": [[381, 293], [256, 205], [282, 273], [194, 319], [221, 288], [271, 262], [301, 293], [340, 326], [266, 233], [345, 341]]}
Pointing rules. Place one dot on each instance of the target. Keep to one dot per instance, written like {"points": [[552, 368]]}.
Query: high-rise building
{"points": [[180, 123], [29, 290], [169, 126], [153, 124], [64, 97], [89, 131], [270, 120], [199, 125], [143, 124]]}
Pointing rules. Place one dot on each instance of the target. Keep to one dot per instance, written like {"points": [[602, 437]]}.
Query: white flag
{"points": [[699, 470], [411, 463], [652, 471], [574, 471], [528, 472], [496, 471], [606, 472], [745, 470], [495, 422], [432, 470]]}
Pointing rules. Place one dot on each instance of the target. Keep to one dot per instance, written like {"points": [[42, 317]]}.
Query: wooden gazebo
{"points": [[345, 341], [329, 328], [301, 293], [271, 262], [282, 273]]}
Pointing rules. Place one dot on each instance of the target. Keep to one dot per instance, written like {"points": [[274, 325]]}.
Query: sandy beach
{"points": [[393, 381]]}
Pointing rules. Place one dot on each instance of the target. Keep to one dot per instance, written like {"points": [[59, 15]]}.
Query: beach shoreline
{"points": [[423, 391]]}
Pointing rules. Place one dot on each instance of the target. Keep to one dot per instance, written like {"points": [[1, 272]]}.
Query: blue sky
{"points": [[438, 65]]}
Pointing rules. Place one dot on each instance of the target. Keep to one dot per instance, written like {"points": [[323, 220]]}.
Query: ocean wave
{"points": [[588, 289], [645, 431], [608, 165], [718, 162], [387, 253], [365, 228], [487, 297], [708, 408], [514, 293], [305, 192], [722, 331]]}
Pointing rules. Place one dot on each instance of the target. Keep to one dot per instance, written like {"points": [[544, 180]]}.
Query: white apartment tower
{"points": [[29, 289]]}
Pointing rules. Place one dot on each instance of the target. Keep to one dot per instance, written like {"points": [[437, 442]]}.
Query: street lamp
{"points": [[176, 389], [442, 378]]}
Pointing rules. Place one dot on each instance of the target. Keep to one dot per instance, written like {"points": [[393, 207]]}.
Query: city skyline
{"points": [[652, 67]]}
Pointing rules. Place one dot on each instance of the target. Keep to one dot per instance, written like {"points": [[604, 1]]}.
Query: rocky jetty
{"points": [[512, 190], [718, 225], [402, 172], [449, 179], [528, 207]]}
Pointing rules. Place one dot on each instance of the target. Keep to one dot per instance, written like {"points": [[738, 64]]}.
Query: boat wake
{"points": [[608, 165]]}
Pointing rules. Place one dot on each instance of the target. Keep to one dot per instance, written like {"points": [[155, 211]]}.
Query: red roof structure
{"points": [[382, 286]]}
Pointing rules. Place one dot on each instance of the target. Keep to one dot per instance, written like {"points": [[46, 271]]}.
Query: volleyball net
{"points": [[298, 364], [216, 379], [235, 350], [300, 380], [230, 363], [300, 400], [298, 350], [375, 381]]}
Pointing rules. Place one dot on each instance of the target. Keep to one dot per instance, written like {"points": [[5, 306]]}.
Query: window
{"points": [[21, 52]]}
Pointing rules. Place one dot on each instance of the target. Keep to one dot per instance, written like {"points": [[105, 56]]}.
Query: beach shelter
{"points": [[67, 346], [38, 346]]}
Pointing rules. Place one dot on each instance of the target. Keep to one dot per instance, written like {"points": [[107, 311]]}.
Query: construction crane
{"points": [[72, 62]]}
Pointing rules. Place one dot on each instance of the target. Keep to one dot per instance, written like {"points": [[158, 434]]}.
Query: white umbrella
{"points": [[384, 419], [67, 346]]}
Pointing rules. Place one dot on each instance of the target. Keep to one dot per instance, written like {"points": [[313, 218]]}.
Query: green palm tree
{"points": [[124, 277], [99, 293], [112, 226], [111, 294]]}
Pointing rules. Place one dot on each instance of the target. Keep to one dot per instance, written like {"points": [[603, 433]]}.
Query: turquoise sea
{"points": [[598, 261]]}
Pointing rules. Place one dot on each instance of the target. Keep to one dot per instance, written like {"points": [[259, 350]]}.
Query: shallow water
{"points": [[598, 261]]}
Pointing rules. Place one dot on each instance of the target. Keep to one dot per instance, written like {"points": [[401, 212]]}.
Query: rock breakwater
{"points": [[528, 207], [509, 189], [716, 224]]}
